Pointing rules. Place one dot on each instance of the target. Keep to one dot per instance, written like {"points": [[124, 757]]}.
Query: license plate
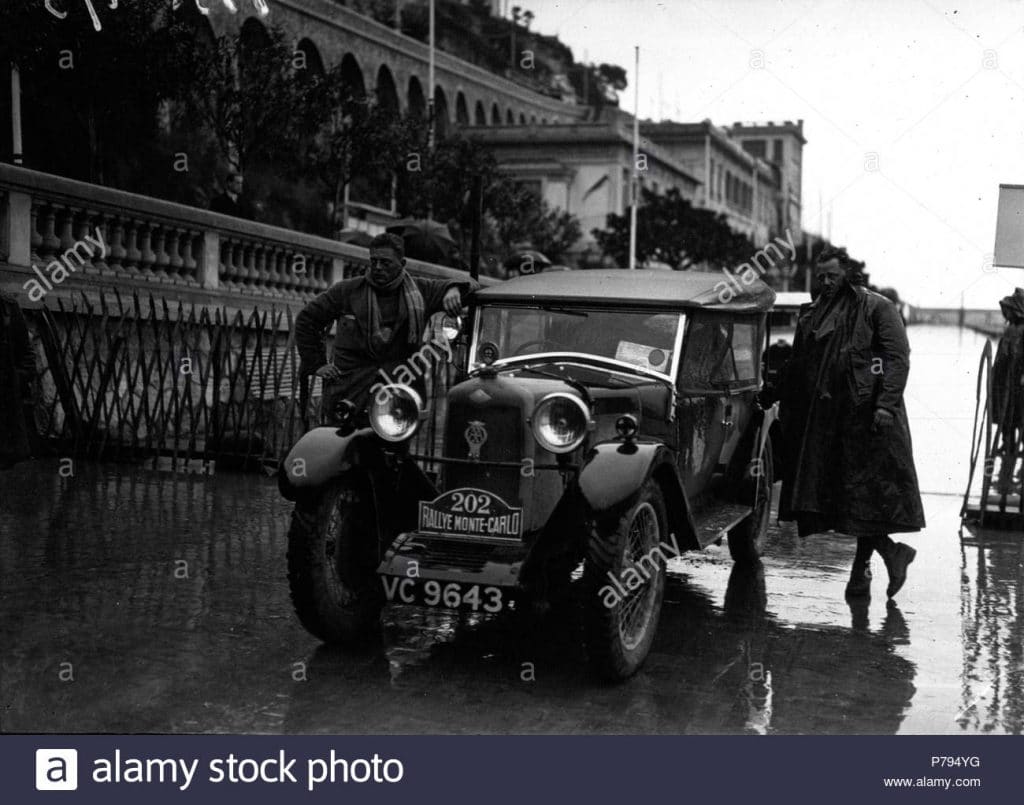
{"points": [[471, 512], [445, 594]]}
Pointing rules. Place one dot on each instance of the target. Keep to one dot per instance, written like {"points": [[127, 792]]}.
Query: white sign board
{"points": [[1009, 251]]}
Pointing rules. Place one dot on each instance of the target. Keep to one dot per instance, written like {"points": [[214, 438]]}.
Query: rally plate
{"points": [[469, 512]]}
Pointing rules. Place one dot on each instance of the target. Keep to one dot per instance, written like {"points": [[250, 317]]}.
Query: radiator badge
{"points": [[476, 435]]}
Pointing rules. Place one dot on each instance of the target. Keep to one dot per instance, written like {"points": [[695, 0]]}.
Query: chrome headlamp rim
{"points": [[393, 389], [575, 443]]}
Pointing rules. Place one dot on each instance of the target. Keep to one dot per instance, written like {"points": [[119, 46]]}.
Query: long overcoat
{"points": [[840, 472]]}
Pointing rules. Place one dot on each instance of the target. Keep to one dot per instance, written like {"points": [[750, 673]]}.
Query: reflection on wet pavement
{"points": [[134, 601]]}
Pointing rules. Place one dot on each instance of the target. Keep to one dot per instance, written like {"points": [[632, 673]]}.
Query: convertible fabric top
{"points": [[649, 288]]}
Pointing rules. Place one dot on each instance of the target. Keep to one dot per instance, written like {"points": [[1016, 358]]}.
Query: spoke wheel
{"points": [[624, 580], [332, 564]]}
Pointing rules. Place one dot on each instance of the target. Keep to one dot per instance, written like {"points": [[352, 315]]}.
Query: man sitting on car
{"points": [[380, 319]]}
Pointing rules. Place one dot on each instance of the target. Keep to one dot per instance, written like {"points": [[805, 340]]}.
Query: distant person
{"points": [[232, 201], [1007, 377], [845, 424], [17, 385]]}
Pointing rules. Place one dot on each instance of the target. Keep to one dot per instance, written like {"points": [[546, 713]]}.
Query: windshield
{"points": [[645, 340]]}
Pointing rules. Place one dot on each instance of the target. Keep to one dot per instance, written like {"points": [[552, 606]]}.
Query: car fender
{"points": [[769, 421], [320, 455], [614, 473]]}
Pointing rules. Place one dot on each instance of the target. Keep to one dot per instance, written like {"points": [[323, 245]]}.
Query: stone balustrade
{"points": [[179, 253]]}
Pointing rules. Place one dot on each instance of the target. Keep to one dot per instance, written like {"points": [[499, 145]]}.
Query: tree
{"points": [[246, 92], [82, 117], [672, 231], [516, 215], [355, 138], [438, 181], [598, 85]]}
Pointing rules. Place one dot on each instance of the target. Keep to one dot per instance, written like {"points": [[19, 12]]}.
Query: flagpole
{"points": [[430, 78], [636, 154], [16, 143], [430, 102]]}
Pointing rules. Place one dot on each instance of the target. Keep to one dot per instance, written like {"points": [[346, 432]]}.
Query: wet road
{"points": [[134, 601]]}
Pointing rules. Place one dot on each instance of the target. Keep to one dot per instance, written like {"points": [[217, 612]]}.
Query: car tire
{"points": [[619, 632], [747, 540], [332, 563]]}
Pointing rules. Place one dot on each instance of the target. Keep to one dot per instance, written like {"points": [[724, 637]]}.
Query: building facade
{"points": [[584, 168], [782, 146]]}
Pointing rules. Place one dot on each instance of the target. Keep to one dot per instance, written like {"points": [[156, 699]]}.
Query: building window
{"points": [[777, 152], [756, 148], [533, 186]]}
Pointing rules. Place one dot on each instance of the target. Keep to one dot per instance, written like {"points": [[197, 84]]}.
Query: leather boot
{"points": [[859, 585], [896, 563]]}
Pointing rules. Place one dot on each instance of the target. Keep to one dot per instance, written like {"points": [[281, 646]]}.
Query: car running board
{"points": [[717, 520]]}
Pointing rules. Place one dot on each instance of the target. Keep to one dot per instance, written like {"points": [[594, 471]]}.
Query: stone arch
{"points": [[352, 76], [253, 35], [543, 121], [461, 109], [416, 103], [387, 92], [510, 117], [533, 120], [522, 119], [479, 114], [200, 26], [495, 115], [310, 64], [442, 117]]}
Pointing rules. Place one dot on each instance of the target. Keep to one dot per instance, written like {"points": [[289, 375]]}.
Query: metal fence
{"points": [[181, 388]]}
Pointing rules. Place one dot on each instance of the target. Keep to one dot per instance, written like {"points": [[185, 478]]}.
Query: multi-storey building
{"points": [[781, 145], [585, 168], [758, 192]]}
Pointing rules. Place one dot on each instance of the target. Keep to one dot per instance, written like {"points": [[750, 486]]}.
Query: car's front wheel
{"points": [[332, 563], [624, 583]]}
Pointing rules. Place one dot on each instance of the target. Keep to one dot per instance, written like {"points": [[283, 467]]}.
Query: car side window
{"points": [[744, 350], [707, 358]]}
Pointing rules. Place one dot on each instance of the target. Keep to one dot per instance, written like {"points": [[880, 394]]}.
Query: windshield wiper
{"points": [[568, 379]]}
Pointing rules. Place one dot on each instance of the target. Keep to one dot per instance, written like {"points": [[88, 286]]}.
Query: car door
{"points": [[718, 379], [703, 412]]}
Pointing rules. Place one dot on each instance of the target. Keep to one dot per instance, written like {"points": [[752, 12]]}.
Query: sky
{"points": [[913, 113]]}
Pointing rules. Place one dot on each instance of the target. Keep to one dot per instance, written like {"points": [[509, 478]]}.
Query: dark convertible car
{"points": [[608, 419]]}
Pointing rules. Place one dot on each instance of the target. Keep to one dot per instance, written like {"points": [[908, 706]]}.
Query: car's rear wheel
{"points": [[747, 540], [624, 583], [332, 563]]}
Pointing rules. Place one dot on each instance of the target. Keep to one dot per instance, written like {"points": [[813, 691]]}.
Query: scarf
{"points": [[833, 321], [410, 306]]}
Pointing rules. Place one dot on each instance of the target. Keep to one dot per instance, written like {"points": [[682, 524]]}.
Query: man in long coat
{"points": [[845, 425], [380, 322]]}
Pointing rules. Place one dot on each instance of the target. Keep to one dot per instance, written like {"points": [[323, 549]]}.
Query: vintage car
{"points": [[608, 419]]}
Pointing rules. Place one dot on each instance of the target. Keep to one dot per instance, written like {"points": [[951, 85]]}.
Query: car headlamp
{"points": [[560, 422], [395, 412]]}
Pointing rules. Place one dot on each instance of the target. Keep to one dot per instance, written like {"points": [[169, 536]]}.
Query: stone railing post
{"points": [[209, 268], [18, 224]]}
